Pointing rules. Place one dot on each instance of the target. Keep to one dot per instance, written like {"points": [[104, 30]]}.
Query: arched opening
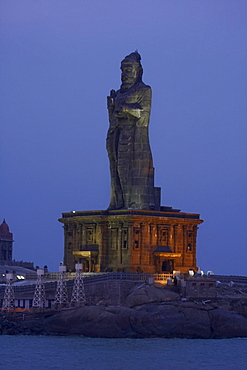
{"points": [[167, 266]]}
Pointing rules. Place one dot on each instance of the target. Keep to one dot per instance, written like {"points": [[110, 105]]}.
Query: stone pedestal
{"points": [[131, 240]]}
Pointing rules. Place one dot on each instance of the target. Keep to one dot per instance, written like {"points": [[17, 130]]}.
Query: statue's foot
{"points": [[133, 206], [110, 208], [148, 207], [113, 207]]}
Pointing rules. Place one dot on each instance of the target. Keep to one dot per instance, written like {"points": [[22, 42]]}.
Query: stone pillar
{"points": [[175, 238], [171, 237]]}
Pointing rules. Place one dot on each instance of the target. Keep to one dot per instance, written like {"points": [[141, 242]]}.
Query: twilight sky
{"points": [[59, 60]]}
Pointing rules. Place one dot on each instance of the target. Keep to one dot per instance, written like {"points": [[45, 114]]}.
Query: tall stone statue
{"points": [[131, 164]]}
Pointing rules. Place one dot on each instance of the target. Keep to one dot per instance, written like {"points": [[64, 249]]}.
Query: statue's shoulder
{"points": [[143, 86]]}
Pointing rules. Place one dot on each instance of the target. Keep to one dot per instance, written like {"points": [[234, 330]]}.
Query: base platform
{"points": [[131, 240]]}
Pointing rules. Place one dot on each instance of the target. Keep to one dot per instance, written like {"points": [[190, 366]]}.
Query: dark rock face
{"points": [[196, 323], [226, 324], [151, 320], [149, 294], [147, 312], [156, 321], [108, 322]]}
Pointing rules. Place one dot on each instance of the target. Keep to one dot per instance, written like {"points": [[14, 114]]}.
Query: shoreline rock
{"points": [[146, 313]]}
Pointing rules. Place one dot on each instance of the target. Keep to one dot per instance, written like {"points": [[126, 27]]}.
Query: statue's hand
{"points": [[110, 102], [121, 112], [126, 111], [113, 94]]}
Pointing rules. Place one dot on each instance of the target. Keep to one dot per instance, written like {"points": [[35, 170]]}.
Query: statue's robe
{"points": [[131, 164]]}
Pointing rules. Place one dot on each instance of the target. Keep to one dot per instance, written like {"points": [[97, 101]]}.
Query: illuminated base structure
{"points": [[131, 240]]}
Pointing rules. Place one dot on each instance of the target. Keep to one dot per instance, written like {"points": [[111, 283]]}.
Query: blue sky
{"points": [[59, 60]]}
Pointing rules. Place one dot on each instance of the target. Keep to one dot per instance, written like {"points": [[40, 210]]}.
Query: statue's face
{"points": [[129, 73]]}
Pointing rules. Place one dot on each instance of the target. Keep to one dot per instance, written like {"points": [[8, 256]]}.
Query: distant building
{"points": [[6, 249], [6, 244], [202, 288]]}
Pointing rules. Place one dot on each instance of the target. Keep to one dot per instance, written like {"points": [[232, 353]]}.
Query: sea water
{"points": [[50, 352]]}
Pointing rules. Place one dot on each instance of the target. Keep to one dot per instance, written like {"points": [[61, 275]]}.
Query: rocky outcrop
{"points": [[147, 312], [149, 294], [168, 320]]}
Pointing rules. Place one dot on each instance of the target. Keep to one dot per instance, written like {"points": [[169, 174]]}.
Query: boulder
{"points": [[196, 323], [91, 321], [227, 324], [157, 321], [149, 294]]}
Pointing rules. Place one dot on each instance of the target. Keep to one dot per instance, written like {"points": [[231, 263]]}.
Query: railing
{"points": [[174, 213], [161, 277], [125, 276], [228, 278], [94, 278], [90, 278], [70, 275], [51, 285], [100, 276]]}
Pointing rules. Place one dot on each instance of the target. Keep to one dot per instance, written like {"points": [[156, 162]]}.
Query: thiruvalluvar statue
{"points": [[131, 164]]}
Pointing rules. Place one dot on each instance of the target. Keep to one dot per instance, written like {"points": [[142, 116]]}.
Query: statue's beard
{"points": [[126, 85]]}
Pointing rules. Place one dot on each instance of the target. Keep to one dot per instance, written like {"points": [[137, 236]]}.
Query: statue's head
{"points": [[131, 70]]}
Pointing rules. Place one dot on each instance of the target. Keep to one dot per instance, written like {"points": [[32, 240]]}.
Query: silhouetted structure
{"points": [[9, 295], [135, 233], [131, 164], [6, 243], [61, 297], [39, 293], [78, 297]]}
